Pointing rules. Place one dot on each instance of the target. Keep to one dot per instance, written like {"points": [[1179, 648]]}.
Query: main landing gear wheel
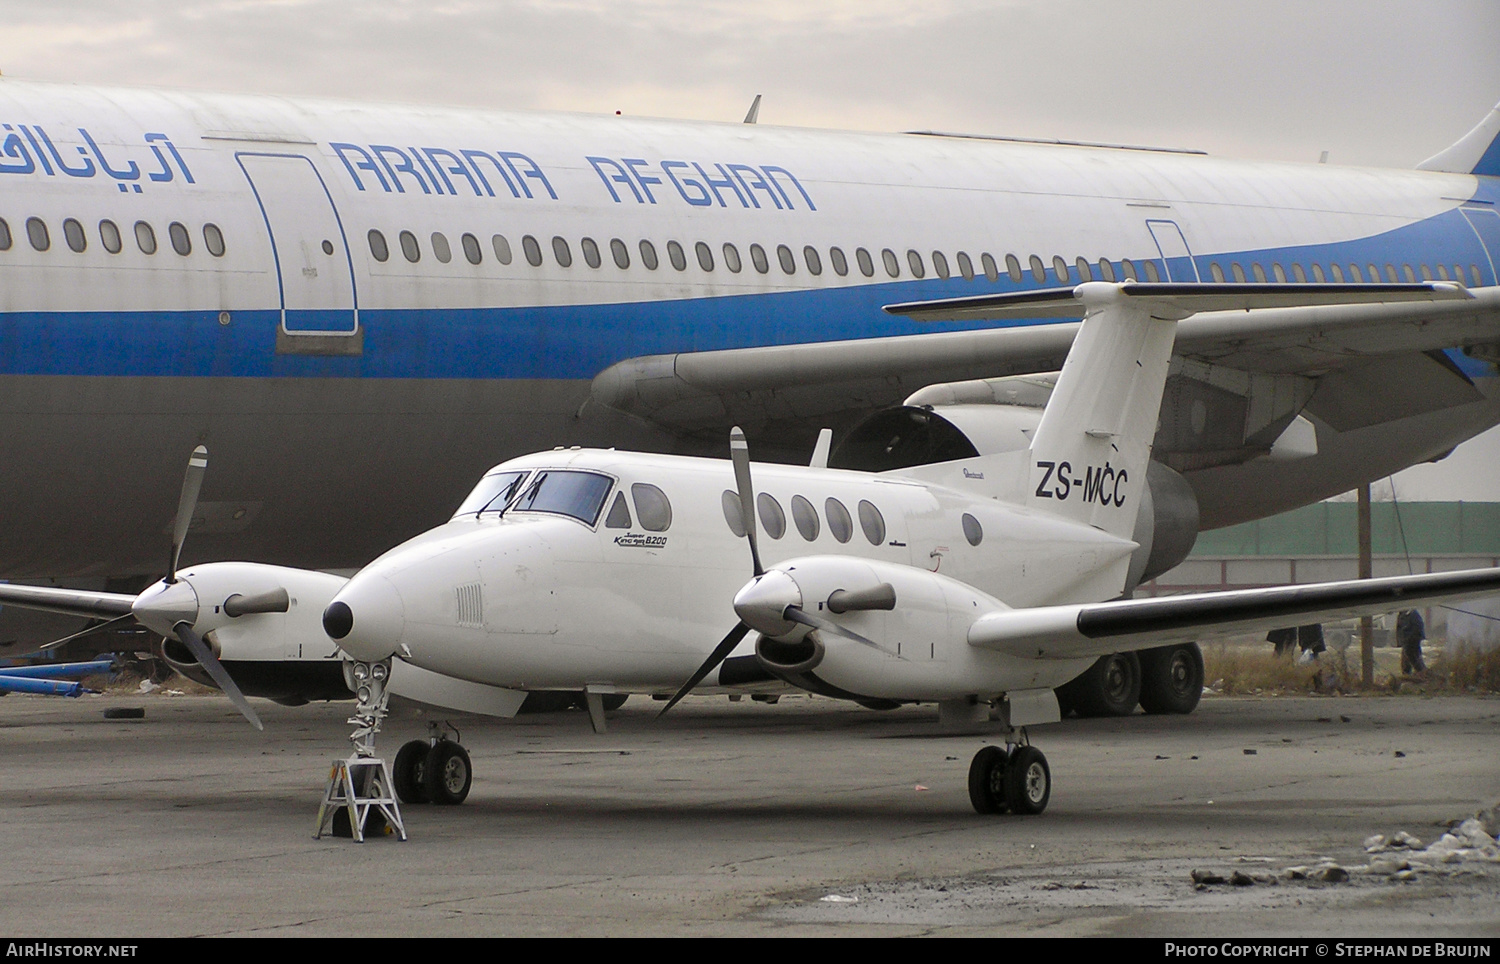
{"points": [[446, 774], [1014, 780], [1111, 687], [409, 770], [1171, 678]]}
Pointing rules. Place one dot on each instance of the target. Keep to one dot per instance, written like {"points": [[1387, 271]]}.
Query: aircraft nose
{"points": [[367, 618]]}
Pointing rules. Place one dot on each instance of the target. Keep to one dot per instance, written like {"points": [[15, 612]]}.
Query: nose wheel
{"points": [[1010, 779]]}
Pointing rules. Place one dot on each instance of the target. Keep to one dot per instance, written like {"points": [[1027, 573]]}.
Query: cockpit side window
{"points": [[577, 494], [619, 514], [493, 493]]}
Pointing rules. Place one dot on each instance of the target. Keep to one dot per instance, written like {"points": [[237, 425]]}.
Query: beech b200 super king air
{"points": [[359, 308], [978, 581]]}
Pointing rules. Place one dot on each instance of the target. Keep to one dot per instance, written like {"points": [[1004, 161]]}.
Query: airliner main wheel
{"points": [[446, 774], [987, 780], [409, 771], [1028, 781], [1171, 679]]}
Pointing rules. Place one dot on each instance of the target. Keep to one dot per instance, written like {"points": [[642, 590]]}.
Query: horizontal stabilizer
{"points": [[1175, 300], [1077, 631]]}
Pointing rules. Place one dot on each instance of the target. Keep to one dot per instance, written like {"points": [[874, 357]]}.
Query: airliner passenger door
{"points": [[314, 271], [1486, 224], [1174, 250]]}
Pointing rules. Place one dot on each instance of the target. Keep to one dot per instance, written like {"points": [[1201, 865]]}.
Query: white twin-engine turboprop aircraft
{"points": [[973, 582]]}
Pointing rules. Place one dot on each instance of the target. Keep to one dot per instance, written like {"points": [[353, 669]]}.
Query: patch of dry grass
{"points": [[1244, 668]]}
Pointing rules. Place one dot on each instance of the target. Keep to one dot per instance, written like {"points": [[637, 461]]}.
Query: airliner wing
{"points": [[1078, 631]]}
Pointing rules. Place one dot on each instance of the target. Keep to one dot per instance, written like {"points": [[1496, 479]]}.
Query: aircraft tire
{"points": [[1111, 687], [407, 772], [447, 773], [1028, 781], [987, 780], [1171, 678]]}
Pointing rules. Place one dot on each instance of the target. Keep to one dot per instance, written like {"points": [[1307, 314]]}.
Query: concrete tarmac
{"points": [[805, 818]]}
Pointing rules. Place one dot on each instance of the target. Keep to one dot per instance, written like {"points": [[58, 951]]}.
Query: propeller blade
{"points": [[187, 503], [721, 652], [96, 628], [209, 662], [798, 615], [739, 454], [274, 601]]}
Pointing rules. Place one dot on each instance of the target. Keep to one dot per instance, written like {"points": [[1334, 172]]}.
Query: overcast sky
{"points": [[1371, 81]]}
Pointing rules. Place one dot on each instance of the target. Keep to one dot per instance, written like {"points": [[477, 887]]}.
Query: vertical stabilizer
{"points": [[1091, 450], [1478, 152]]}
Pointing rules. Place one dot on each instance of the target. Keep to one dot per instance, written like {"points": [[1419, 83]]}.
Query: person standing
{"points": [[1410, 631]]}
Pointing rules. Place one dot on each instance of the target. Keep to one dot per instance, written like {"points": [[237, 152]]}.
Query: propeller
{"points": [[772, 601]]}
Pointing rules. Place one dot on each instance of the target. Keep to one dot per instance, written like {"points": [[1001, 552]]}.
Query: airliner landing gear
{"points": [[1010, 779], [434, 770]]}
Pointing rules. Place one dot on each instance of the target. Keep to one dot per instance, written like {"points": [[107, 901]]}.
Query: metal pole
{"points": [[1366, 570]]}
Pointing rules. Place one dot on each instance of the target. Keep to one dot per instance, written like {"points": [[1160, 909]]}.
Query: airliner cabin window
{"points": [[784, 255], [36, 232], [73, 232], [532, 251], [1336, 272], [1426, 273], [1060, 269], [213, 240], [1390, 273], [502, 248], [619, 514], [918, 270], [1085, 270], [805, 517], [866, 263], [579, 495], [473, 253], [1038, 270], [772, 518], [732, 515], [965, 266], [840, 525], [4, 235], [1215, 272], [839, 262], [940, 264], [492, 494], [1013, 267], [651, 507], [1406, 273], [1317, 274], [1443, 272], [1127, 268], [1153, 275], [1356, 274], [892, 266], [872, 522], [562, 252], [1278, 273], [758, 258], [648, 255], [812, 260], [1107, 270], [676, 255], [182, 242], [145, 237], [409, 247], [1299, 275], [620, 253], [991, 271], [109, 236], [732, 258], [705, 256], [440, 247], [590, 252]]}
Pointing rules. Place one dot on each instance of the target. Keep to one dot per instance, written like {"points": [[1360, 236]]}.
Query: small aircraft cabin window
{"points": [[676, 255], [732, 514], [109, 236], [579, 495], [648, 255], [839, 523], [965, 266], [972, 530], [805, 517], [409, 247], [36, 233], [440, 247], [379, 250], [940, 264], [732, 258], [502, 248], [619, 514], [705, 256], [651, 507], [213, 240], [914, 260], [772, 518], [4, 235], [991, 270], [532, 251], [892, 266], [872, 522], [562, 252], [620, 253], [145, 237], [839, 262], [784, 255], [73, 232], [1038, 270], [182, 242], [492, 494], [866, 263], [811, 259], [591, 252], [473, 253]]}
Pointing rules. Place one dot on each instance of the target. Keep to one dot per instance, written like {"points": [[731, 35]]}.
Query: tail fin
{"points": [[1091, 450], [1477, 152]]}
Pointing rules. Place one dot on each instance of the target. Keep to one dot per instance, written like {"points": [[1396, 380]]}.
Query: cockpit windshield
{"points": [[493, 493], [577, 494]]}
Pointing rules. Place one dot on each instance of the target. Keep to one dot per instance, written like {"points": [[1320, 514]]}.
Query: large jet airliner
{"points": [[359, 308]]}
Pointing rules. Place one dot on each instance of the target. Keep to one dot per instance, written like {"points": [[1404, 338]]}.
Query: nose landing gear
{"points": [[1010, 779]]}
